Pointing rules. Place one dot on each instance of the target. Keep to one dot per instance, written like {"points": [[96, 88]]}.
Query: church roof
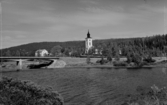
{"points": [[88, 34]]}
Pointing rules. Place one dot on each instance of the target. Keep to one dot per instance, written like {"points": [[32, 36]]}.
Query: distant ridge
{"points": [[80, 45]]}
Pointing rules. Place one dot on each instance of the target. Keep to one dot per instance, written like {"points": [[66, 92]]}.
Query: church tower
{"points": [[88, 43]]}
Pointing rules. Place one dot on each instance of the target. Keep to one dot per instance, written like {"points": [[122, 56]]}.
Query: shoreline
{"points": [[85, 66], [160, 62]]}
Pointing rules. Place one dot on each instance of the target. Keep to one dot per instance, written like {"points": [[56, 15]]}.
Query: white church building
{"points": [[88, 43]]}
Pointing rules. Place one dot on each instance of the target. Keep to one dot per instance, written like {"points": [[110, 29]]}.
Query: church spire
{"points": [[88, 43], [88, 34]]}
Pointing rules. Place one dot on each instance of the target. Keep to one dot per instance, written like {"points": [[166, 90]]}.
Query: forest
{"points": [[153, 46]]}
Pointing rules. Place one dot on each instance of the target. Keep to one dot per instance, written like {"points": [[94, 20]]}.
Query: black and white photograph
{"points": [[83, 52]]}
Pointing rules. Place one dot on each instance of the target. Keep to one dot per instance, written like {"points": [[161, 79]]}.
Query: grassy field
{"points": [[73, 60]]}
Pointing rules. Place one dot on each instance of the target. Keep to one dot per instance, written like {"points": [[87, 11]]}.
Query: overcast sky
{"points": [[26, 21]]}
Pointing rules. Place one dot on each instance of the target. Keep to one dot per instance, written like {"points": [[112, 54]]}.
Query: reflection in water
{"points": [[94, 86]]}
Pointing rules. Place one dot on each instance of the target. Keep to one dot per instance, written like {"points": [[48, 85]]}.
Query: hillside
{"points": [[32, 47], [154, 45]]}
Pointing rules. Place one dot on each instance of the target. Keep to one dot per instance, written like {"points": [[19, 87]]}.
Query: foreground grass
{"points": [[16, 92]]}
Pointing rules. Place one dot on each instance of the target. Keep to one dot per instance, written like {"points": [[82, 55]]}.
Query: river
{"points": [[94, 86]]}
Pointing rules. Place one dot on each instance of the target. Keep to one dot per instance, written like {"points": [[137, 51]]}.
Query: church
{"points": [[88, 43]]}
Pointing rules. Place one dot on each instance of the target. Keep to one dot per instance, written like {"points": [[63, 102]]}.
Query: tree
{"points": [[17, 53], [109, 58], [8, 53], [117, 57], [56, 50], [66, 52], [137, 59], [91, 51], [102, 60], [23, 52], [75, 54], [165, 50], [105, 52], [37, 53], [129, 58], [88, 60]]}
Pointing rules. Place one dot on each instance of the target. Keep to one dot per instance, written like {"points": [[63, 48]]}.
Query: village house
{"points": [[41, 53]]}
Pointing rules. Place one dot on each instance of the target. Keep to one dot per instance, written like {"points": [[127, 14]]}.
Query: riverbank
{"points": [[81, 62], [78, 63]]}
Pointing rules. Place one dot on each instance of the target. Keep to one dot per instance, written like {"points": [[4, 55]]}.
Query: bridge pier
{"points": [[19, 60], [20, 64]]}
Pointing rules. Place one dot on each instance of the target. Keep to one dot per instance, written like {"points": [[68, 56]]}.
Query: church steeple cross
{"points": [[88, 34]]}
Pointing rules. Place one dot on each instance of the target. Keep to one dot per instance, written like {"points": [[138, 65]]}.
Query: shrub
{"points": [[15, 92], [149, 59], [148, 96], [129, 58], [109, 58], [102, 61], [98, 61], [137, 59], [119, 63], [134, 57]]}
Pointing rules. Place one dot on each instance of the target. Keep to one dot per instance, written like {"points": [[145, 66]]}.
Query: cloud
{"points": [[94, 17], [13, 38], [4, 38], [8, 34], [41, 20], [94, 2], [20, 36], [99, 20], [149, 8]]}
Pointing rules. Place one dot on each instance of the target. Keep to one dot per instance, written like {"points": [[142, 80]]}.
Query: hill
{"points": [[154, 45]]}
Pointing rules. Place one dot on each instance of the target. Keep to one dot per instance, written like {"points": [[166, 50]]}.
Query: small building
{"points": [[41, 53], [96, 51]]}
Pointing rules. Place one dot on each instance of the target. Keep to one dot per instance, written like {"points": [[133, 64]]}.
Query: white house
{"points": [[41, 53], [98, 51]]}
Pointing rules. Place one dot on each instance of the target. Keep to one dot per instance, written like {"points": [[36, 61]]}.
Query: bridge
{"points": [[20, 60], [29, 58]]}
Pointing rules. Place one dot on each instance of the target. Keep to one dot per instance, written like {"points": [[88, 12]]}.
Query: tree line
{"points": [[144, 46]]}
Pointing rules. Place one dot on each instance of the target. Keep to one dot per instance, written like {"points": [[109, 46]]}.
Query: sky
{"points": [[27, 21]]}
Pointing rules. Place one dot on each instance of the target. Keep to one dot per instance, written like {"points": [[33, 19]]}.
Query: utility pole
{"points": [[1, 37], [165, 28], [165, 20]]}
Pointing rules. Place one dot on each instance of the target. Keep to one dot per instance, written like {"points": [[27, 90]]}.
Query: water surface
{"points": [[94, 86]]}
